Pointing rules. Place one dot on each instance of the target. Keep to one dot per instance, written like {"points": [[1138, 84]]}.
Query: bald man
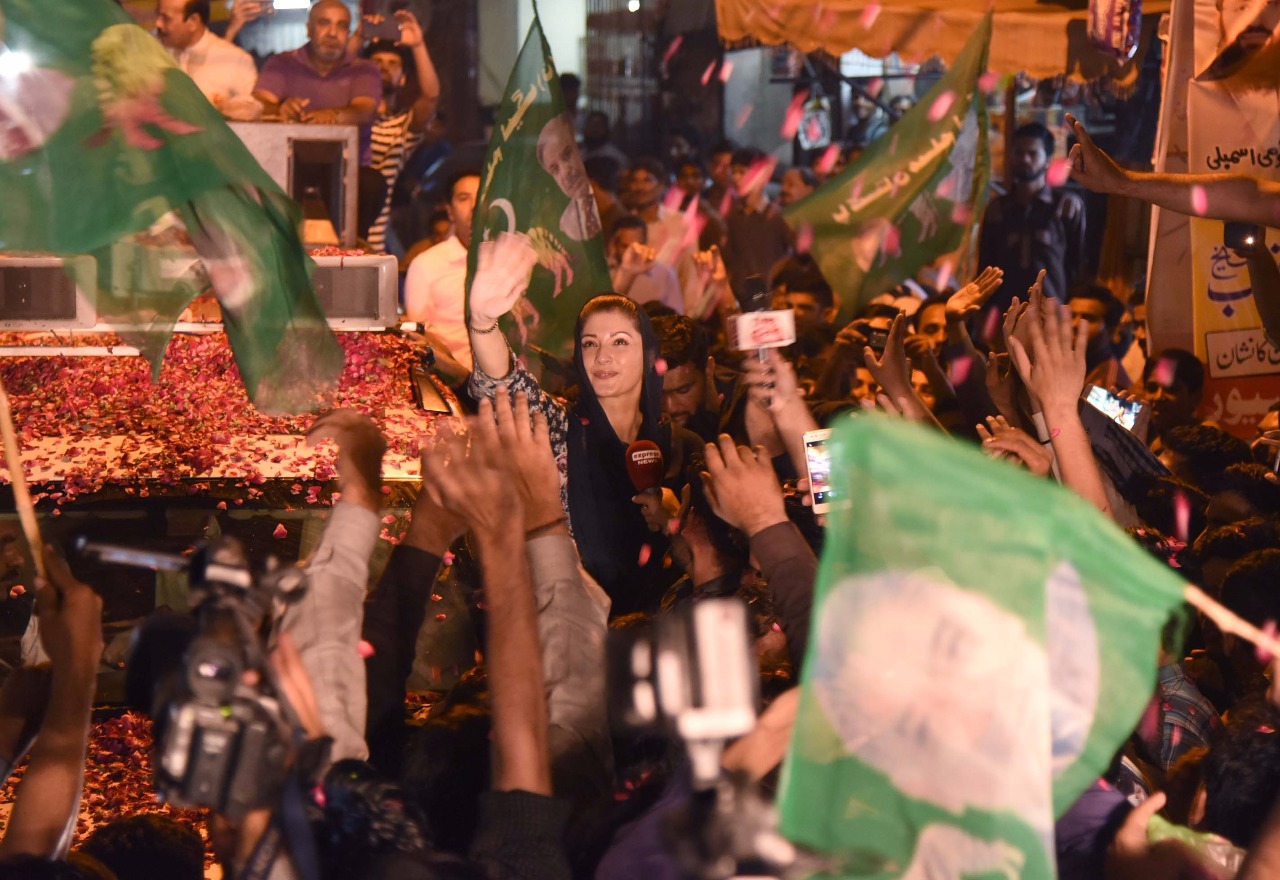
{"points": [[321, 82]]}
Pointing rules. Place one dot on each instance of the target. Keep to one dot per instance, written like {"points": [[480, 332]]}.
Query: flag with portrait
{"points": [[533, 182]]}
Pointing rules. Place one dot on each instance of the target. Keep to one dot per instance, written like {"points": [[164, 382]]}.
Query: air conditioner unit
{"points": [[358, 293], [47, 293]]}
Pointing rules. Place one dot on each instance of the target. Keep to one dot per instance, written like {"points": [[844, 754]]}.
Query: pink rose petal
{"points": [[660, 366], [726, 71], [874, 87], [827, 160], [987, 82], [706, 74], [870, 13], [743, 115], [1199, 201], [1181, 515], [364, 649], [804, 239], [1165, 372], [795, 111], [280, 531], [1059, 172], [941, 105], [645, 552]]}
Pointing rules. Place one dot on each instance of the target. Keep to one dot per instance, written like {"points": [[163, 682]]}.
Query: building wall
{"points": [[503, 27]]}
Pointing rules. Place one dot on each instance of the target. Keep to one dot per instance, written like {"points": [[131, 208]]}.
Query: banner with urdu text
{"points": [[533, 182], [913, 195], [1232, 130]]}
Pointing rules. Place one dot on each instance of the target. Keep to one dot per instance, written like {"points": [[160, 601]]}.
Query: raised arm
{"points": [[325, 624], [744, 492], [48, 798], [477, 487], [411, 37], [503, 267], [773, 387], [573, 612], [1219, 196], [1054, 371]]}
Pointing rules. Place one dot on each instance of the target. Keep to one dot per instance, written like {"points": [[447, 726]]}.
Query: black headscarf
{"points": [[609, 528]]}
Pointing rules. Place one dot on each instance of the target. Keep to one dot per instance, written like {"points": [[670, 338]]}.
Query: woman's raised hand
{"points": [[503, 266]]}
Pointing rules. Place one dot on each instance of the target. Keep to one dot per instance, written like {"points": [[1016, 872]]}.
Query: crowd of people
{"points": [[521, 770]]}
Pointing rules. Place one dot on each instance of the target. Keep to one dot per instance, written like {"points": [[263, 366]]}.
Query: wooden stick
{"points": [[1230, 622], [21, 497]]}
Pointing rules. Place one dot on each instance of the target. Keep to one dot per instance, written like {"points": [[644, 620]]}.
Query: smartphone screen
{"points": [[817, 459], [1113, 407]]}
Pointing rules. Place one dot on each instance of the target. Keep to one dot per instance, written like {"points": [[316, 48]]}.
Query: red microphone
{"points": [[645, 465]]}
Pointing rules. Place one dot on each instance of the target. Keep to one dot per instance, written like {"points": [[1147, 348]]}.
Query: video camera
{"points": [[693, 674], [223, 732]]}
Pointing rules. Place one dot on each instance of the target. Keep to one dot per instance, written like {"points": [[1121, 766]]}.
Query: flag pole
{"points": [[1230, 622], [21, 497]]}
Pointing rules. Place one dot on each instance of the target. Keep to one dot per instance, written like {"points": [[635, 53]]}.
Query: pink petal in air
{"points": [[874, 87], [1058, 173], [959, 371], [726, 71], [795, 111], [941, 105], [645, 552], [706, 74], [743, 115], [364, 649], [827, 160], [1199, 201], [987, 82], [892, 241], [672, 48], [1181, 515], [870, 13], [1165, 372], [804, 239], [280, 531]]}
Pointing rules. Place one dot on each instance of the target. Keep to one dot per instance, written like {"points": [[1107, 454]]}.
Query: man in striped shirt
{"points": [[404, 112]]}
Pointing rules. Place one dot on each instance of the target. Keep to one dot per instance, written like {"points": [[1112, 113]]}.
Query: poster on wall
{"points": [[1232, 131]]}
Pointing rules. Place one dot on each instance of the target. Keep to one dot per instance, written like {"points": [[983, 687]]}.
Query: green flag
{"points": [[983, 641], [533, 182], [911, 196], [108, 149]]}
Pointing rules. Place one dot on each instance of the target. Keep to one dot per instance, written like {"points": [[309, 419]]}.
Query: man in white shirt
{"points": [[435, 285], [634, 267], [223, 71]]}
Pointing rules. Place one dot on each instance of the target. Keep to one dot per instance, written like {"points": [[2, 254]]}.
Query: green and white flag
{"points": [[108, 149], [914, 194], [983, 641], [533, 182]]}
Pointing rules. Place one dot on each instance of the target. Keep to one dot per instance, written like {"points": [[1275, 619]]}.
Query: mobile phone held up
{"points": [[1116, 408], [817, 459], [1241, 236], [387, 29]]}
